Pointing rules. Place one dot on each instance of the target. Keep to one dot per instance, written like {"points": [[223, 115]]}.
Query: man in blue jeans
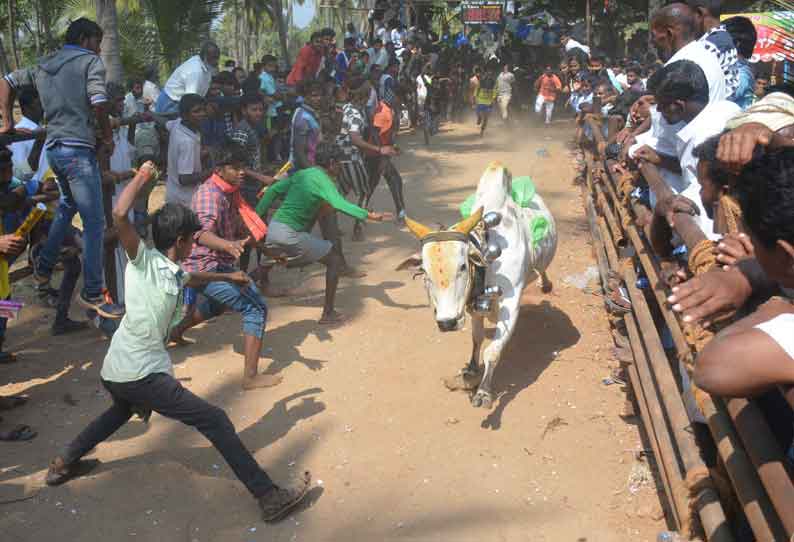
{"points": [[228, 225], [71, 85]]}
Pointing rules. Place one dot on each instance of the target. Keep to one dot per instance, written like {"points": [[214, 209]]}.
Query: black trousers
{"points": [[162, 393]]}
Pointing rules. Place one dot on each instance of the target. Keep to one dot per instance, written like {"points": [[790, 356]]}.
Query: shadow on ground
{"points": [[542, 331]]}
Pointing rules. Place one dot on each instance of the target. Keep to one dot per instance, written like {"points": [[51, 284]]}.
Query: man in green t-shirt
{"points": [[307, 195]]}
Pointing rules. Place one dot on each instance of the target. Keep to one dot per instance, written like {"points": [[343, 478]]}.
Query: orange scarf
{"points": [[251, 220]]}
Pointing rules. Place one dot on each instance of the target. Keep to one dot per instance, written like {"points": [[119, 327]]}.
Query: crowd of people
{"points": [[254, 159], [699, 145]]}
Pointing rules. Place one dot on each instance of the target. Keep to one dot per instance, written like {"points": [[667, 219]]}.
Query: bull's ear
{"points": [[419, 230], [466, 225], [412, 261]]}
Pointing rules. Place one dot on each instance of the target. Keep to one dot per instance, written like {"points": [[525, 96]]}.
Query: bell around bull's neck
{"points": [[462, 228]]}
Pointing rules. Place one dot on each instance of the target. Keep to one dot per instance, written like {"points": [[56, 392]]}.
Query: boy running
{"points": [[548, 87], [485, 97]]}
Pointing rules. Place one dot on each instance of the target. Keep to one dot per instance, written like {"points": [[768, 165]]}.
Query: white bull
{"points": [[450, 257]]}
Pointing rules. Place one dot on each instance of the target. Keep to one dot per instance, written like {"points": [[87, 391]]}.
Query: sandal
{"points": [[60, 473], [20, 433], [279, 501]]}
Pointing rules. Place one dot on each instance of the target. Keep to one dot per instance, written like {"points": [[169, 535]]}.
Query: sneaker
{"points": [[279, 501], [102, 308], [66, 326], [400, 219]]}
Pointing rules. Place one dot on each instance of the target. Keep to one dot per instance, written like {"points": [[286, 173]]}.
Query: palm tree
{"points": [[181, 25], [274, 9], [107, 17]]}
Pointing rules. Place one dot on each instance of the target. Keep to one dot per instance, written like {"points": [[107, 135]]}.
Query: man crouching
{"points": [[137, 370]]}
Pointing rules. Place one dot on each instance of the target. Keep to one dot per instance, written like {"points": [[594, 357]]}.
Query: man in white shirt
{"points": [[184, 151], [673, 31], [27, 156], [683, 98], [570, 44], [192, 77], [504, 91]]}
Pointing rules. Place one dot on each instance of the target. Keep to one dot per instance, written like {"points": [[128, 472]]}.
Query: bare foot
{"points": [[332, 318], [353, 273], [176, 338], [261, 381]]}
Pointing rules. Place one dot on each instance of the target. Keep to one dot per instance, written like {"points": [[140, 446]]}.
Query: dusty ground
{"points": [[394, 454]]}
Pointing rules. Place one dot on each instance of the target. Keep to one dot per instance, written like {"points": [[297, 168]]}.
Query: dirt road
{"points": [[394, 454]]}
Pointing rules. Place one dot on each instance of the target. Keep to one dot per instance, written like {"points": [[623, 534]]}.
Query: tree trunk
{"points": [[246, 57], [12, 31], [238, 50], [4, 67], [46, 26], [283, 29], [111, 51], [37, 31]]}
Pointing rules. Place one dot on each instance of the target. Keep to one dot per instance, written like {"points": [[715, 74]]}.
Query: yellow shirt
{"points": [[486, 96]]}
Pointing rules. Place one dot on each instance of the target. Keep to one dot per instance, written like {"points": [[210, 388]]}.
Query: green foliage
{"points": [[139, 42], [181, 25]]}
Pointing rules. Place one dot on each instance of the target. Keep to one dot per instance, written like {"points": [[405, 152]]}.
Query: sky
{"points": [[303, 15]]}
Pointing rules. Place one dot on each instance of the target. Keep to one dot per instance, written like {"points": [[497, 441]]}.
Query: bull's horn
{"points": [[466, 225], [419, 230]]}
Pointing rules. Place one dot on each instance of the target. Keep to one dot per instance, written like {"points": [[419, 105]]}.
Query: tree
{"points": [[107, 17], [12, 31], [274, 9], [181, 25]]}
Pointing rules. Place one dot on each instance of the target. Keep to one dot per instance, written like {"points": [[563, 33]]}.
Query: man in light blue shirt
{"points": [[267, 83], [137, 371]]}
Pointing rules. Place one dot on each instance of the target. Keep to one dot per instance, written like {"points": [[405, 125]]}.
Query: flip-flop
{"points": [[19, 433]]}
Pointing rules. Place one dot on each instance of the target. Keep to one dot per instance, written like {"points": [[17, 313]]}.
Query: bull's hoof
{"points": [[464, 380], [482, 399]]}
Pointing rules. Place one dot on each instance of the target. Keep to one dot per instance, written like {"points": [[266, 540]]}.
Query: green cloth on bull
{"points": [[522, 191]]}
